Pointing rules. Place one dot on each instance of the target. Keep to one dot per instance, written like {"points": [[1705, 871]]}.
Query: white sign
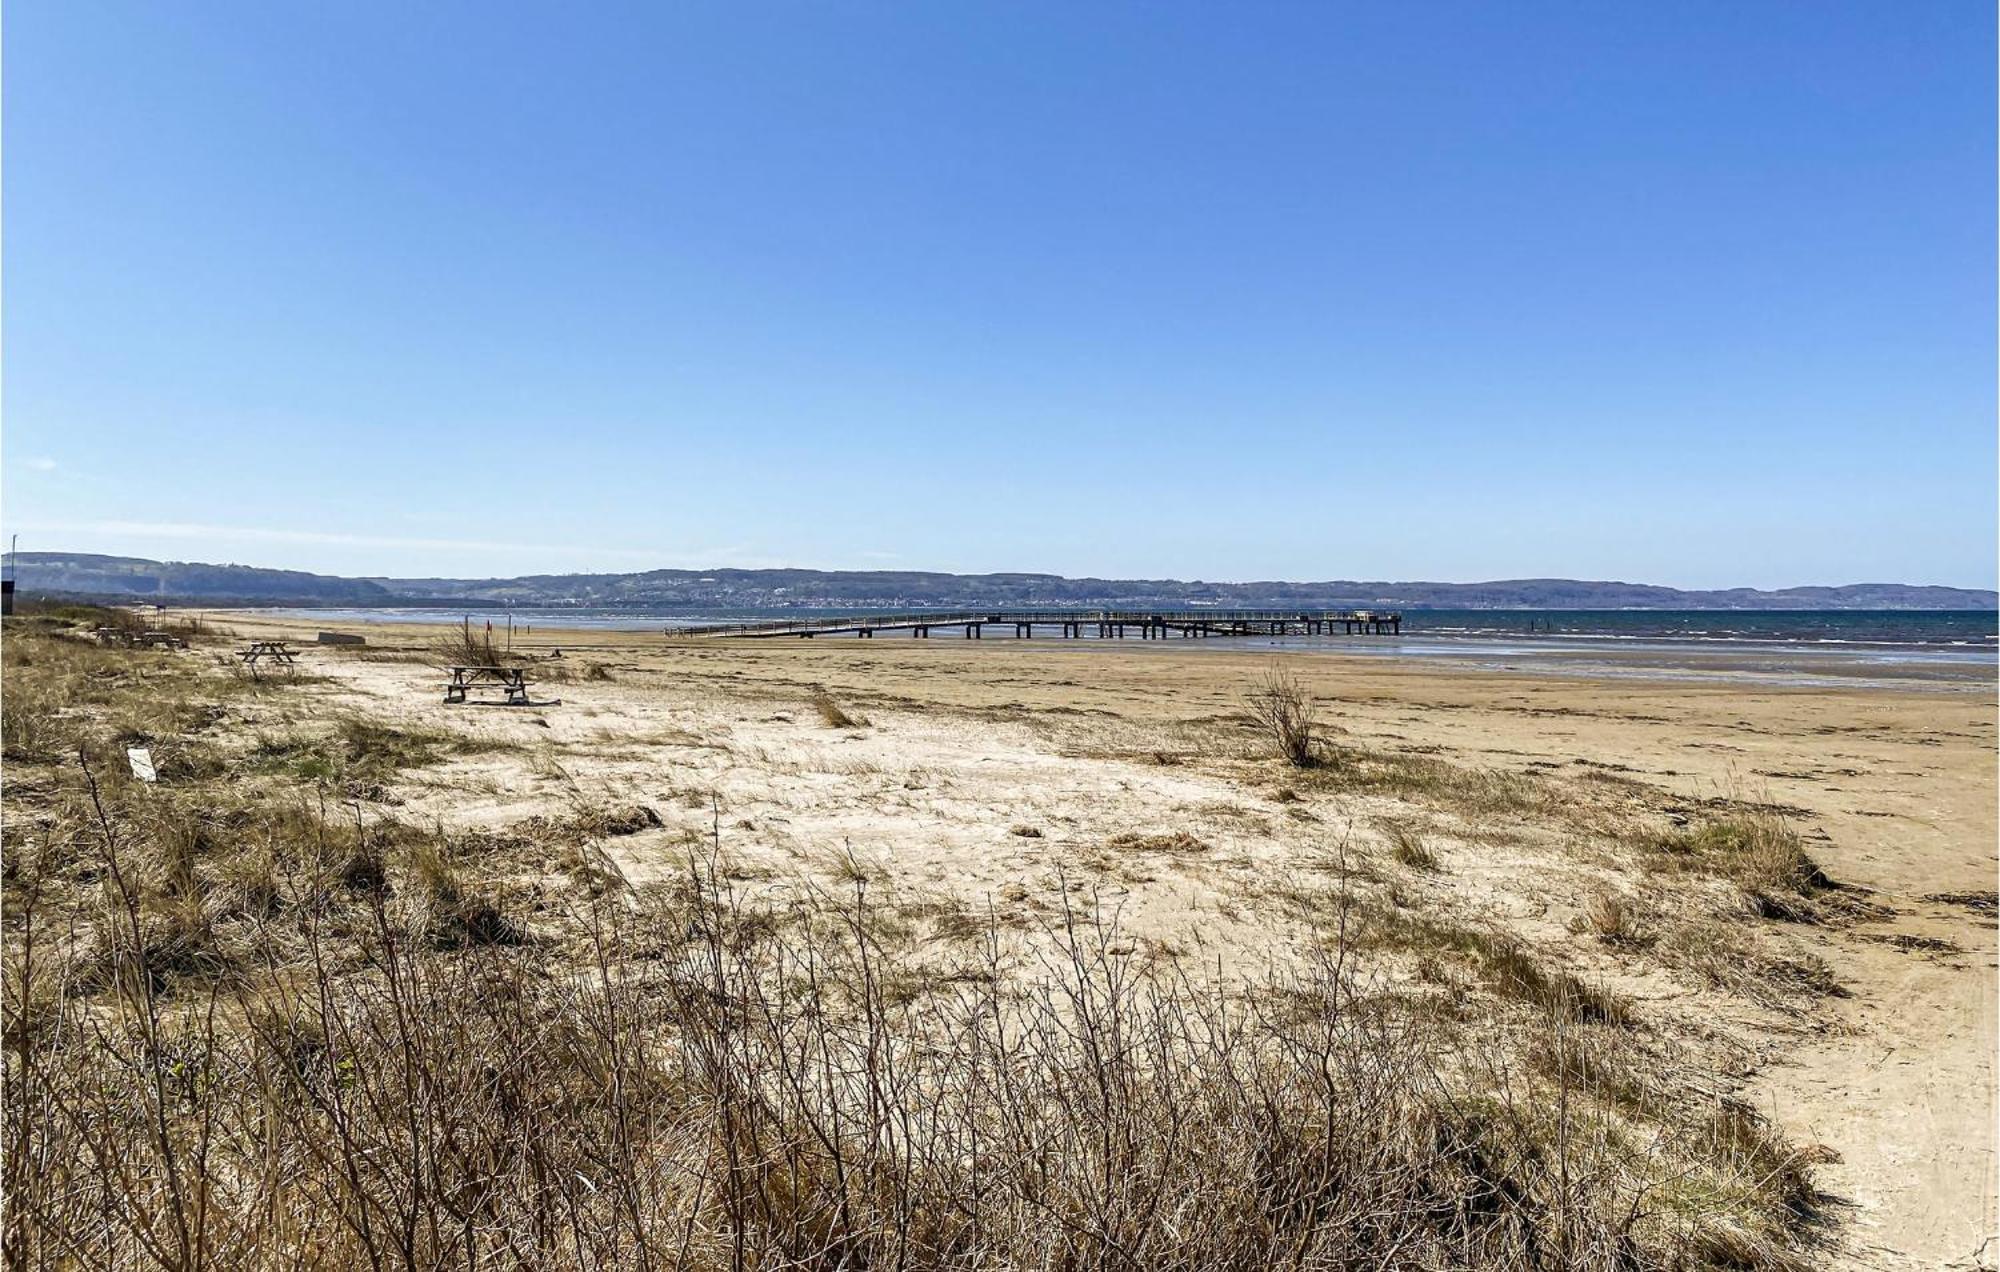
{"points": [[142, 763]]}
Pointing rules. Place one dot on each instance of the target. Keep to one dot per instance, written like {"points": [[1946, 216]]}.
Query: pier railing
{"points": [[1110, 622]]}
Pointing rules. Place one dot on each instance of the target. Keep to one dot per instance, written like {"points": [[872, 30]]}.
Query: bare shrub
{"points": [[1284, 710], [749, 1090], [468, 647]]}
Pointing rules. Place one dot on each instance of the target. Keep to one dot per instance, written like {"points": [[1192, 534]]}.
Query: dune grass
{"points": [[258, 1025], [1408, 845], [832, 714], [1758, 851]]}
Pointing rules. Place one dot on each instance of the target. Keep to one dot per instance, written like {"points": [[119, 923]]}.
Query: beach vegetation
{"points": [[468, 646], [1610, 918], [831, 713], [1284, 710], [265, 1023], [1759, 851], [1407, 844]]}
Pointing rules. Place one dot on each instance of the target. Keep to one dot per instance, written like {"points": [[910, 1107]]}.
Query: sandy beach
{"points": [[1005, 773]]}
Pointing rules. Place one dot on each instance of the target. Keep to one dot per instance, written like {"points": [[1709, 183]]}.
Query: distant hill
{"points": [[135, 578], [86, 573]]}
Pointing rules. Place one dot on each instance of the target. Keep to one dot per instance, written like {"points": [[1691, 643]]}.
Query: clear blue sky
{"points": [[1690, 293]]}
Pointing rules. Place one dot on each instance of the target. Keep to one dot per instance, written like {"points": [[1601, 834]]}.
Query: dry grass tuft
{"points": [[1507, 966], [1441, 785], [1758, 851], [1179, 843], [1610, 918], [1728, 957], [1284, 710], [458, 914], [32, 724], [359, 755], [1407, 845], [832, 714]]}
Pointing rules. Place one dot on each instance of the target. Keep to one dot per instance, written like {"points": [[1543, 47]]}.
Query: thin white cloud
{"points": [[37, 463]]}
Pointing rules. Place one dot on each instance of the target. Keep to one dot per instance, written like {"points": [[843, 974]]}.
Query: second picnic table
{"points": [[510, 680]]}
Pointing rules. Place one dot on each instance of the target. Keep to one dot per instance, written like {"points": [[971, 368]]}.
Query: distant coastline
{"points": [[1971, 631], [137, 579]]}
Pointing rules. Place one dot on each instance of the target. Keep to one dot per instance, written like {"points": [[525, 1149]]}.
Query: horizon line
{"points": [[699, 571]]}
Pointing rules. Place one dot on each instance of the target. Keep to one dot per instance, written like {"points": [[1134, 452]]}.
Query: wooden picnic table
{"points": [[511, 681], [274, 650], [162, 640]]}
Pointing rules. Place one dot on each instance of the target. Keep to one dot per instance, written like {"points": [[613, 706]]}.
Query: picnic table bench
{"points": [[161, 640], [511, 681], [112, 635], [274, 650]]}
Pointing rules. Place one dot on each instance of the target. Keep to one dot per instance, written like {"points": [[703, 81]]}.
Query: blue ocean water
{"points": [[1934, 629], [1928, 649], [1919, 628]]}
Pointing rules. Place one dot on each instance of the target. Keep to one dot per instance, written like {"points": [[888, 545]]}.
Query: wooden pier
{"points": [[1075, 624]]}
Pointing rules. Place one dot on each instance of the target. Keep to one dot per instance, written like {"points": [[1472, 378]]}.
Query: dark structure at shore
{"points": [[1109, 624]]}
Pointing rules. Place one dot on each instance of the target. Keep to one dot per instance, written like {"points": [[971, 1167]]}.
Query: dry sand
{"points": [[968, 747]]}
